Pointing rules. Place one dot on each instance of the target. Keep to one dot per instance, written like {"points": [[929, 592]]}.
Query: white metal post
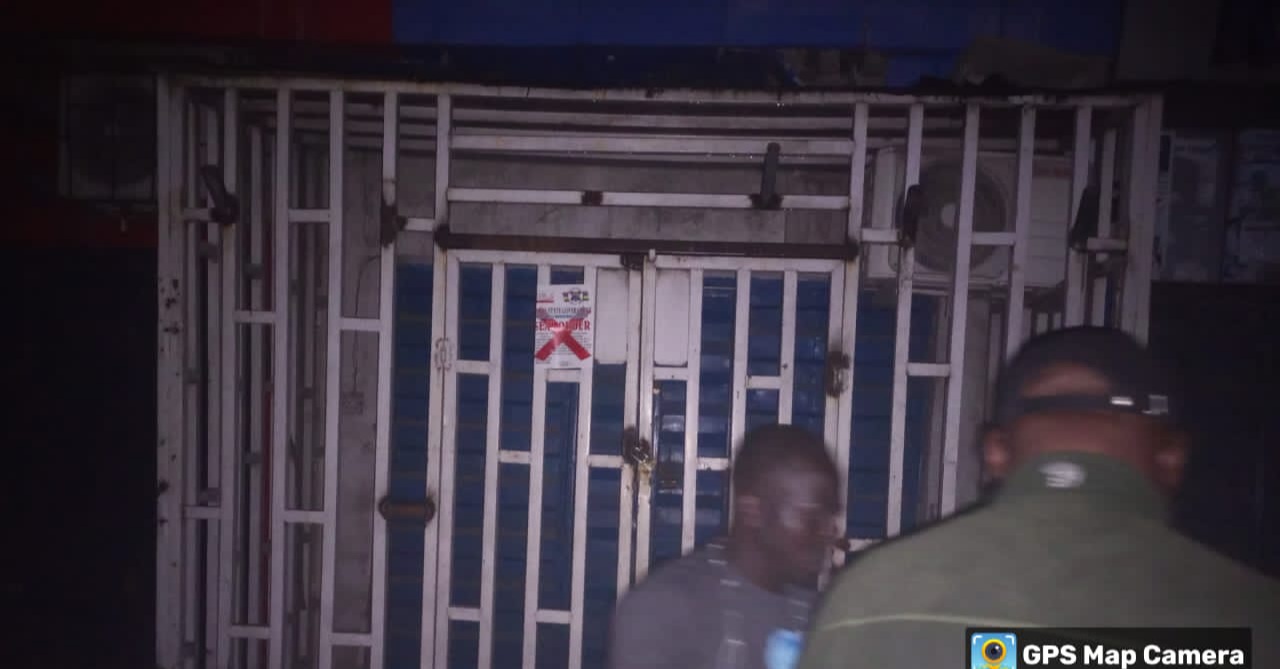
{"points": [[434, 593], [533, 547], [333, 378], [849, 312], [171, 294], [447, 448], [279, 374], [1106, 188], [229, 487], [959, 310], [386, 351], [644, 493], [692, 389], [581, 485], [1144, 167], [629, 474], [488, 553], [1073, 313], [1022, 233], [902, 343], [787, 350], [257, 375], [738, 412], [213, 366]]}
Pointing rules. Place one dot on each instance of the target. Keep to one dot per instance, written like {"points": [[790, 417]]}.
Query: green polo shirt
{"points": [[1071, 540]]}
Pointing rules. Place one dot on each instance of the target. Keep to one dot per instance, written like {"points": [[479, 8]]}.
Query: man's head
{"points": [[1086, 389], [786, 497]]}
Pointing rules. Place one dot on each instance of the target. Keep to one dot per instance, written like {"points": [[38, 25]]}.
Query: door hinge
{"points": [[443, 354]]}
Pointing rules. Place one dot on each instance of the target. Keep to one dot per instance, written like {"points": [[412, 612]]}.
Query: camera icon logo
{"points": [[993, 650]]}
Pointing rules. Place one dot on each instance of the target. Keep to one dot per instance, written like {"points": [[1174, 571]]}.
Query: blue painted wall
{"points": [[921, 36], [868, 470]]}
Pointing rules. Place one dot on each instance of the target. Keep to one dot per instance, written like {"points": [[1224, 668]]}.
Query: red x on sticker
{"points": [[562, 333]]}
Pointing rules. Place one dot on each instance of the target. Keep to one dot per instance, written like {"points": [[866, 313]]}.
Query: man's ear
{"points": [[1171, 459], [748, 511], [997, 457]]}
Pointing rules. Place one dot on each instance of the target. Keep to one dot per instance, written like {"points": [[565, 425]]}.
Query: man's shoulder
{"points": [[686, 578]]}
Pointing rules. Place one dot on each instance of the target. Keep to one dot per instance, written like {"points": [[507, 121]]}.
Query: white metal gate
{"points": [[286, 206]]}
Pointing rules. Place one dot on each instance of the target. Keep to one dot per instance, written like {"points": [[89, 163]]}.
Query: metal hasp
{"points": [[419, 512], [768, 197], [226, 207]]}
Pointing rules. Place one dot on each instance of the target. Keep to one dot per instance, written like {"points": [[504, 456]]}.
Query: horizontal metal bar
{"points": [[357, 639], [249, 632], [420, 224], [303, 517], [473, 366], [552, 616], [197, 215], [564, 375], [713, 464], [507, 457], [928, 369], [464, 614], [202, 512], [255, 317], [625, 199], [756, 263], [764, 382], [309, 216], [360, 325], [597, 460], [1099, 244], [994, 238], [447, 239], [651, 96], [670, 373], [879, 236], [631, 143]]}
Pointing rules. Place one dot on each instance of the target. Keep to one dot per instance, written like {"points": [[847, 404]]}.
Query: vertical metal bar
{"points": [[171, 294], [1106, 188], [257, 374], [1022, 231], [582, 481], [738, 413], [835, 311], [1074, 310], [644, 505], [213, 363], [382, 434], [630, 400], [902, 342], [787, 352], [1145, 160], [229, 382], [193, 376], [689, 496], [448, 457], [849, 311], [489, 552], [533, 549], [959, 310], [438, 417], [333, 376], [280, 373], [444, 135]]}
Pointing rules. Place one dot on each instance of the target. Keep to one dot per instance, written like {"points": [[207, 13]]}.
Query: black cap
{"points": [[1136, 382]]}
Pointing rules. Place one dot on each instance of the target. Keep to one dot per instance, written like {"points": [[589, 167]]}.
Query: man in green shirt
{"points": [[1087, 452]]}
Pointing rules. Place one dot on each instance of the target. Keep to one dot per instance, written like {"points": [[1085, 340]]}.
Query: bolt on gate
{"points": [[364, 459]]}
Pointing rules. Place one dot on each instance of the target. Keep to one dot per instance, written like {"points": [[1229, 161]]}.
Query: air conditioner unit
{"points": [[993, 211], [108, 152]]}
